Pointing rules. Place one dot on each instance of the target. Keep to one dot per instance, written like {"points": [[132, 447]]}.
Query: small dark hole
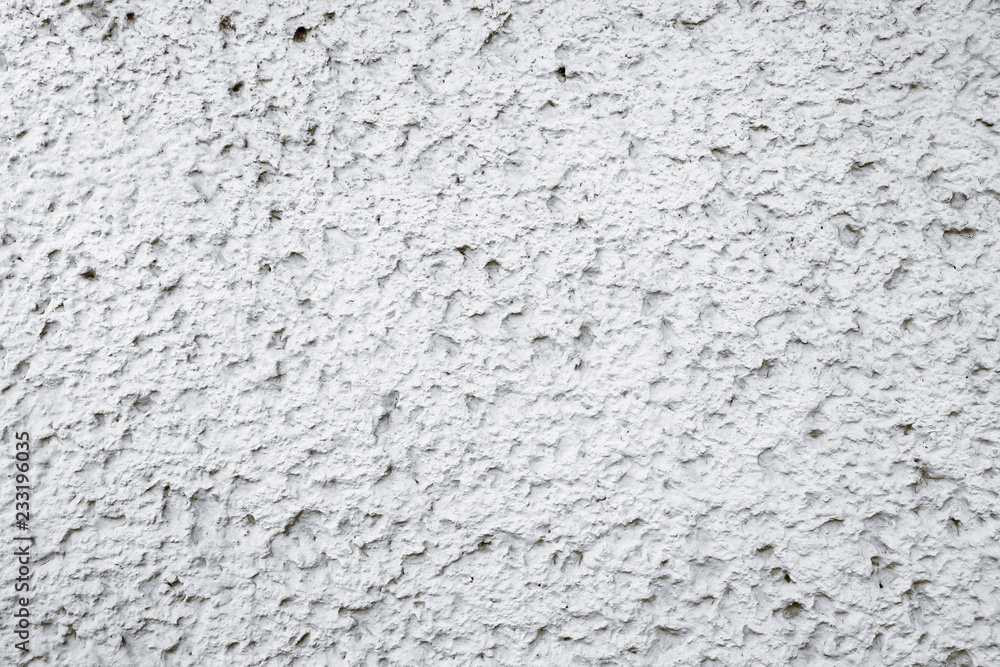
{"points": [[561, 72], [130, 17], [89, 274], [300, 34], [236, 87], [226, 24], [792, 610]]}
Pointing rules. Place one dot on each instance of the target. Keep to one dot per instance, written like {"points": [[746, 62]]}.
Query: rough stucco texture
{"points": [[539, 333]]}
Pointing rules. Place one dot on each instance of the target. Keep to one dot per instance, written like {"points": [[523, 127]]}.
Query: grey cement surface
{"points": [[503, 333]]}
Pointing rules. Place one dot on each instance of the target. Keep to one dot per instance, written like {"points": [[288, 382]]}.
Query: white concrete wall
{"points": [[504, 333]]}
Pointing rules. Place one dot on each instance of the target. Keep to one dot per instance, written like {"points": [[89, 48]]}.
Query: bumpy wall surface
{"points": [[503, 333]]}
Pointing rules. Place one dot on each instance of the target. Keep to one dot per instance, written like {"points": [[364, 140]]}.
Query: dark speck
{"points": [[300, 34]]}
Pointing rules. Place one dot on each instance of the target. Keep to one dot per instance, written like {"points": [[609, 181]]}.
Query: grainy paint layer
{"points": [[505, 333]]}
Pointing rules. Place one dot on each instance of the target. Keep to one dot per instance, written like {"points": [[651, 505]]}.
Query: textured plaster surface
{"points": [[504, 333]]}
